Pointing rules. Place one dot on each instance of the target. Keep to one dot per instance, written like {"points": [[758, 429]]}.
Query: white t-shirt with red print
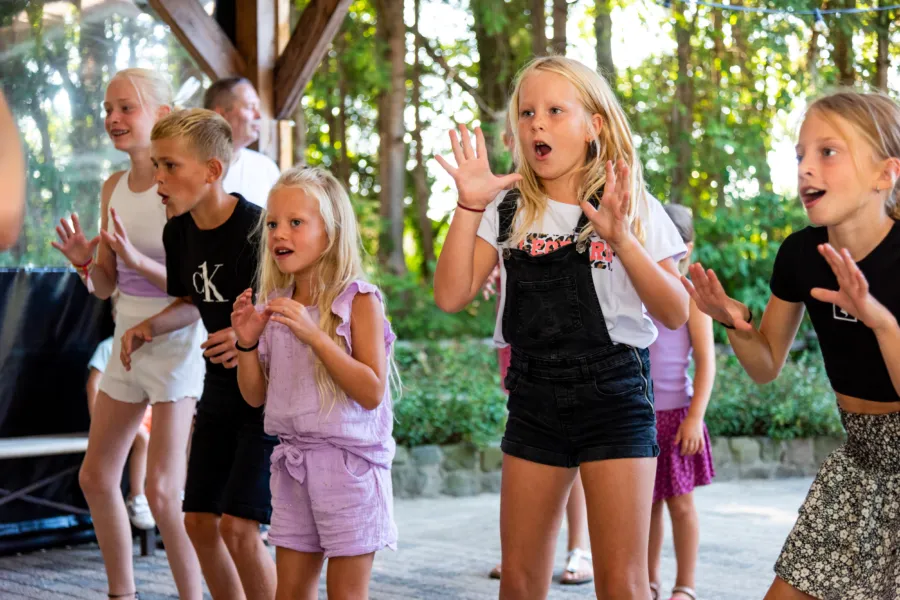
{"points": [[626, 317]]}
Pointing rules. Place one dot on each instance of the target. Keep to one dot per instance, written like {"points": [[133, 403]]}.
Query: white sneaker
{"points": [[139, 512]]}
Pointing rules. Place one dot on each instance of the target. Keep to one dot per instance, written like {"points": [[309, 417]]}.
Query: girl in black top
{"points": [[843, 269]]}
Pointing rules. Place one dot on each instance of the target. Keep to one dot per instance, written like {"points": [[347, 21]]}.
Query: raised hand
{"points": [[476, 184], [132, 340], [706, 290], [118, 241], [610, 219], [853, 295], [219, 348], [247, 323], [294, 315], [73, 243]]}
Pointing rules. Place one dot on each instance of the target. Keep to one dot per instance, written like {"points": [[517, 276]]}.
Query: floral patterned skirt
{"points": [[846, 542]]}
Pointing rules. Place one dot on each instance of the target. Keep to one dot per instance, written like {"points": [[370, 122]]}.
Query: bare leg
{"points": [[686, 536], [624, 488], [657, 535], [531, 509], [576, 515], [137, 463], [218, 568], [253, 562], [348, 577], [167, 464], [113, 427], [298, 574]]}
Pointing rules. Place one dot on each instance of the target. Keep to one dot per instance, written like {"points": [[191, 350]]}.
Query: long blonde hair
{"points": [[877, 119], [614, 143], [338, 266], [153, 90]]}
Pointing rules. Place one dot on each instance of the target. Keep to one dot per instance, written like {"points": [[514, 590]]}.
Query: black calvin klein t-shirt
{"points": [[853, 359], [213, 267]]}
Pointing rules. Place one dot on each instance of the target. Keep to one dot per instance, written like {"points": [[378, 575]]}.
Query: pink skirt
{"points": [[676, 474]]}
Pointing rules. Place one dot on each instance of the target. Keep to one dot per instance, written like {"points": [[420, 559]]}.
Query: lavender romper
{"points": [[331, 472]]}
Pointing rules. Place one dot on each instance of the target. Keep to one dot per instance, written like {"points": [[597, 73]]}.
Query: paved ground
{"points": [[448, 545]]}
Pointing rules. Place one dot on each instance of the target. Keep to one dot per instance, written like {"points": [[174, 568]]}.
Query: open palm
{"points": [[852, 295], [610, 218], [73, 243], [476, 184], [247, 323]]}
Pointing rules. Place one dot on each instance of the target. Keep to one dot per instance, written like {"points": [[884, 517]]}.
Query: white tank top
{"points": [[144, 216]]}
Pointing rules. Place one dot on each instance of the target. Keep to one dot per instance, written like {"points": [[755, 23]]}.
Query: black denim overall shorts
{"points": [[574, 395]]}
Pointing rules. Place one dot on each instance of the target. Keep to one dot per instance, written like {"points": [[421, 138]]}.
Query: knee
{"points": [[681, 507], [163, 496], [202, 528], [95, 480], [238, 534]]}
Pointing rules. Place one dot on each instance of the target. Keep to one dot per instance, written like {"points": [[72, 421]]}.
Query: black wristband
{"points": [[250, 349], [749, 320]]}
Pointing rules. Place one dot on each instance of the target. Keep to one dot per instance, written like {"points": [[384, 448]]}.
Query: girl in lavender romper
{"points": [[685, 459], [317, 352]]}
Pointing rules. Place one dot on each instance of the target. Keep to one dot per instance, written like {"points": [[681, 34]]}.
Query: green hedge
{"points": [[451, 393], [798, 404]]}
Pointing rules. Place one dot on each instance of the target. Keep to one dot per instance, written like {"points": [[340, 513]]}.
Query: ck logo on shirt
{"points": [[842, 315], [206, 286]]}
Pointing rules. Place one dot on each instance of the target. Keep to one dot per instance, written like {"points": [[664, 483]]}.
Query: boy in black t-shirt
{"points": [[212, 242]]}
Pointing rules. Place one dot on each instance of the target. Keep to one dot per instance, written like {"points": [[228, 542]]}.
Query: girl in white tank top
{"points": [[167, 373]]}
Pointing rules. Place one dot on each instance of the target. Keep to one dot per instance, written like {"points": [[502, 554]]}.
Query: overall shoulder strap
{"points": [[507, 213]]}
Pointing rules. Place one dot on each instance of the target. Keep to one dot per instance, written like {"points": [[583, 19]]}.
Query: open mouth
{"points": [[281, 253], [163, 197], [117, 133], [542, 150], [811, 195]]}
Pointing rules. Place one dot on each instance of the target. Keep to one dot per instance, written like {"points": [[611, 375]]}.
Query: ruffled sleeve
{"points": [[343, 306]]}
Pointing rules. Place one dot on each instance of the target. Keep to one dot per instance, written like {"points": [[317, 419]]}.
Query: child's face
{"points": [[831, 185], [552, 125], [296, 235], [128, 123], [182, 179]]}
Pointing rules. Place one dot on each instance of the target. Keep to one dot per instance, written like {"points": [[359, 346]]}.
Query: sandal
{"points": [[574, 558], [683, 589], [654, 590], [495, 572], [135, 594]]}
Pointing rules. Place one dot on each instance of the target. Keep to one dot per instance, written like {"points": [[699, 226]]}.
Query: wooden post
{"points": [[285, 133], [255, 37], [201, 36], [317, 27]]}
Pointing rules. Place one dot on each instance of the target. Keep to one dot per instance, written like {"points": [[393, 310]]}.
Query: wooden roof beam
{"points": [[294, 69], [202, 37]]}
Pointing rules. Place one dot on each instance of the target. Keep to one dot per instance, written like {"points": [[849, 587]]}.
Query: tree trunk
{"points": [[812, 60], [843, 48], [560, 14], [603, 34], [299, 118], [496, 71], [392, 152], [340, 136], [883, 58], [420, 179], [538, 28], [682, 121]]}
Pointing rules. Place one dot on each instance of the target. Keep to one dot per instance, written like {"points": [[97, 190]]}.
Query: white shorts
{"points": [[169, 368]]}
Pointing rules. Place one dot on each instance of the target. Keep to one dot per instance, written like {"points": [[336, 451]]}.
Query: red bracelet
{"points": [[84, 268], [475, 210]]}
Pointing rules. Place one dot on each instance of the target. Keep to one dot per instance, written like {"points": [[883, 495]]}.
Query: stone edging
{"points": [[464, 470]]}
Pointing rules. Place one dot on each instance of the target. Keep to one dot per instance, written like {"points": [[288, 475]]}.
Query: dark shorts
{"points": [[568, 411], [229, 464]]}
